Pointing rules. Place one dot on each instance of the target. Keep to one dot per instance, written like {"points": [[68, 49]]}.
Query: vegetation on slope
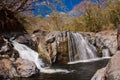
{"points": [[87, 16]]}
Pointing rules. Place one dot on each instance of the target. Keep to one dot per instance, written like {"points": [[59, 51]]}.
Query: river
{"points": [[78, 71]]}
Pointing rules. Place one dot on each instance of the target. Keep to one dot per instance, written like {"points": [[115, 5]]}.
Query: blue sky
{"points": [[71, 3], [68, 3]]}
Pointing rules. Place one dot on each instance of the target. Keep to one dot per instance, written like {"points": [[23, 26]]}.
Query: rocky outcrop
{"points": [[57, 46], [103, 40], [108, 39], [113, 68], [39, 37], [27, 40], [11, 65], [17, 68], [25, 68], [100, 74], [111, 71], [52, 46], [7, 49]]}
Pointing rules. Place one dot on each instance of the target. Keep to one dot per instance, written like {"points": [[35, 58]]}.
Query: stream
{"points": [[78, 71]]}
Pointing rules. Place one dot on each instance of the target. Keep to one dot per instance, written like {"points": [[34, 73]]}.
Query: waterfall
{"points": [[79, 48], [105, 51], [29, 54]]}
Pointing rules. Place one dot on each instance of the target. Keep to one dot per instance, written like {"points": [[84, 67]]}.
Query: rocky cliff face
{"points": [[58, 46], [55, 44], [52, 46]]}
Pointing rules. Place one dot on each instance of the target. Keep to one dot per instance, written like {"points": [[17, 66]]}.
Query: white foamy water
{"points": [[105, 53], [90, 60], [29, 54], [79, 48]]}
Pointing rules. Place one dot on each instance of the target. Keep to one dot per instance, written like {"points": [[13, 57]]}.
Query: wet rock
{"points": [[27, 40], [7, 49]]}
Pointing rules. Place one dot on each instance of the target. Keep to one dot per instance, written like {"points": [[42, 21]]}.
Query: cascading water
{"points": [[29, 54], [105, 51], [79, 48]]}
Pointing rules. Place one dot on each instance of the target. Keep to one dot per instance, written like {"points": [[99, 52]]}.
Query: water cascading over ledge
{"points": [[28, 54], [79, 48], [68, 47]]}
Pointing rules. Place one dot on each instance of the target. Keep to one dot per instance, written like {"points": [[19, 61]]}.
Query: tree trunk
{"points": [[118, 37]]}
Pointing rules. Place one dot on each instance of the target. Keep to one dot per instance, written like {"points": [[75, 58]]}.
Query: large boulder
{"points": [[113, 68], [18, 68], [25, 68], [100, 74], [111, 71], [108, 39]]}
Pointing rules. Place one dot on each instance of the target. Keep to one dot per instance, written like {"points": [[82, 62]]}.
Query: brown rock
{"points": [[100, 74], [111, 71], [113, 68], [25, 68], [18, 68]]}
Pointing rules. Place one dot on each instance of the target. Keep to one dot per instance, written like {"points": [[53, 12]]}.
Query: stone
{"points": [[57, 46], [113, 67], [27, 40], [100, 74], [25, 68], [108, 39], [18, 68], [111, 71]]}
